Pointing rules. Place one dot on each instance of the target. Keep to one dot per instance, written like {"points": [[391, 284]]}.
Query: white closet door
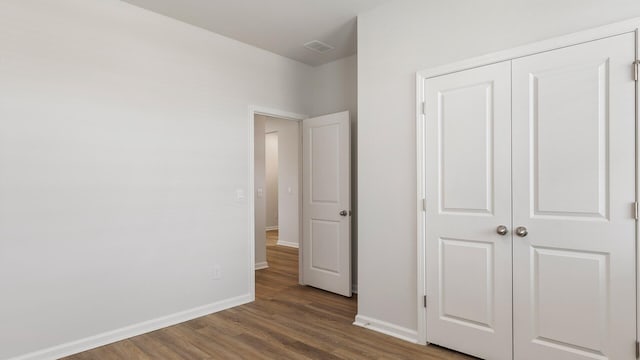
{"points": [[573, 177], [468, 165]]}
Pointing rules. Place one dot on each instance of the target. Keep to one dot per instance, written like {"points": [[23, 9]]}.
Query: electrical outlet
{"points": [[217, 272]]}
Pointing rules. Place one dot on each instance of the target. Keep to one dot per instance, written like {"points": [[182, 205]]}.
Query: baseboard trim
{"points": [[271, 228], [288, 244], [262, 265], [387, 328], [109, 337]]}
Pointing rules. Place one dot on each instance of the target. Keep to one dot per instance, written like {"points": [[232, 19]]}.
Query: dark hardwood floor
{"points": [[287, 321]]}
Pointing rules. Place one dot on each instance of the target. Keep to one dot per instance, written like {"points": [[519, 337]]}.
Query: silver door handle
{"points": [[502, 230], [343, 213], [522, 231]]}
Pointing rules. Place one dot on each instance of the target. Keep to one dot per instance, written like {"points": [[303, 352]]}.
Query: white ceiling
{"points": [[279, 26]]}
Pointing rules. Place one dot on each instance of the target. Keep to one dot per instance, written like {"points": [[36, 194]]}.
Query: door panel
{"points": [[468, 172], [471, 282], [325, 245], [574, 186], [570, 181], [326, 250], [466, 176], [325, 175], [579, 279]]}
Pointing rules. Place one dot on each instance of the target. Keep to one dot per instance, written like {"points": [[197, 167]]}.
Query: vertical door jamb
{"points": [[420, 211], [637, 182]]}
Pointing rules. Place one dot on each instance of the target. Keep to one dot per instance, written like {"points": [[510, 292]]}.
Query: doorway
{"points": [[258, 259], [271, 186], [277, 188], [313, 220], [272, 229]]}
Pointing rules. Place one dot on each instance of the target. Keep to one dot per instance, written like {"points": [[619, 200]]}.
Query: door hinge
{"points": [[637, 349], [636, 68], [636, 210], [424, 204], [424, 107], [424, 301]]}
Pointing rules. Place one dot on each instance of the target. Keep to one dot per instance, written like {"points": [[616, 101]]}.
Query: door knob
{"points": [[521, 231], [343, 213], [502, 230]]}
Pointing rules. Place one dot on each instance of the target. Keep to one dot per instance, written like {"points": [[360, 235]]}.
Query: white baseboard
{"points": [[109, 337], [271, 228], [288, 244], [262, 265], [387, 328]]}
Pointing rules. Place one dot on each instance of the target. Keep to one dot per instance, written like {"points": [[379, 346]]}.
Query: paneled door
{"points": [[468, 211], [326, 214], [573, 194]]}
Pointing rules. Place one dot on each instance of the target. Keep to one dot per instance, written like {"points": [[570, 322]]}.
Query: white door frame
{"points": [[628, 26], [253, 111]]}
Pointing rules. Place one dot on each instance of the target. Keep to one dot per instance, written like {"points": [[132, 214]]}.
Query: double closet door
{"points": [[530, 228]]}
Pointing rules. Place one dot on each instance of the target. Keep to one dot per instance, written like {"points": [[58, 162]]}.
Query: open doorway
{"points": [[277, 211], [277, 183], [313, 220], [271, 186]]}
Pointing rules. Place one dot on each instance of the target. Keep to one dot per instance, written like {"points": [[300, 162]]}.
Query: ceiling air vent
{"points": [[318, 46]]}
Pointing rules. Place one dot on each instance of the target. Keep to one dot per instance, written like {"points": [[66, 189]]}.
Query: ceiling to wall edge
{"points": [[335, 53]]}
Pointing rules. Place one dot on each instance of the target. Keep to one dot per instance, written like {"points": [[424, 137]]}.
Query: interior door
{"points": [[468, 211], [574, 189], [326, 248]]}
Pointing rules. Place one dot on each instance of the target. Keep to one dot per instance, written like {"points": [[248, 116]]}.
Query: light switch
{"points": [[290, 190], [239, 194], [260, 191]]}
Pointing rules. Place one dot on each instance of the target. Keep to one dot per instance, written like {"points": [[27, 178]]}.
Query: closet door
{"points": [[574, 189], [468, 172]]}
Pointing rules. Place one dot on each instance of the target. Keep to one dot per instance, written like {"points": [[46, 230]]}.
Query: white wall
{"points": [[394, 41], [334, 89], [271, 171], [260, 198], [288, 179], [123, 140]]}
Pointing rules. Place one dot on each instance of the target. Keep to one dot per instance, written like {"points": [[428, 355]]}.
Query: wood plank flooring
{"points": [[287, 321], [272, 237]]}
